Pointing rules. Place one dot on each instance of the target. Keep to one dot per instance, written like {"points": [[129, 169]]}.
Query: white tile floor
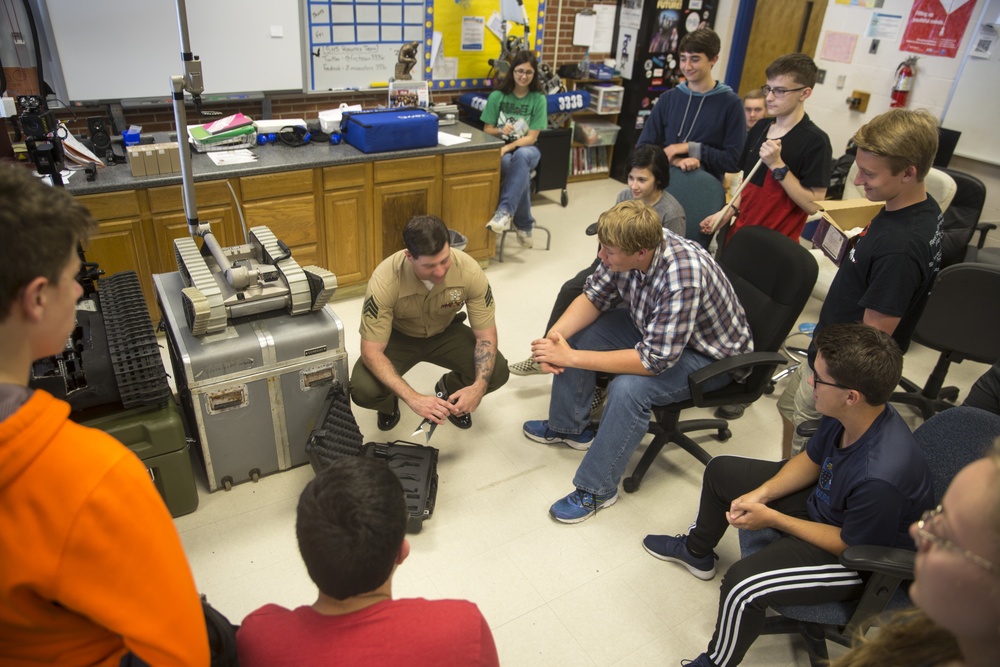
{"points": [[553, 594]]}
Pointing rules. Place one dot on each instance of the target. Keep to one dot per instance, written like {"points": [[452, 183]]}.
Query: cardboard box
{"points": [[163, 159], [136, 161], [840, 221], [152, 162]]}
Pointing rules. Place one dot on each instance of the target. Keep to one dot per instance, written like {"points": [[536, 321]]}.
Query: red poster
{"points": [[936, 27]]}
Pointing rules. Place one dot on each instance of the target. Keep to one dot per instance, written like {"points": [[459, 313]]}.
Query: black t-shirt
{"points": [[890, 269]]}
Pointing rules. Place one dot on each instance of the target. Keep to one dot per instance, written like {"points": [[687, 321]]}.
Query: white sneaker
{"points": [[501, 222], [527, 367], [524, 238]]}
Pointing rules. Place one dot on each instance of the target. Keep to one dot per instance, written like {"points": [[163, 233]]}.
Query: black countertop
{"points": [[270, 158]]}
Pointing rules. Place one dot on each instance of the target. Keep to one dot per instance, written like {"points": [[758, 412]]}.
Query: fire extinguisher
{"points": [[903, 82]]}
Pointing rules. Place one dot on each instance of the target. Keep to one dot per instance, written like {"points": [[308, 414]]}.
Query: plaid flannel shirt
{"points": [[684, 300]]}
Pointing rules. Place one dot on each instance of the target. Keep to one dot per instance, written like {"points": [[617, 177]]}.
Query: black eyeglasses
{"points": [[924, 533], [816, 380], [521, 72], [780, 92]]}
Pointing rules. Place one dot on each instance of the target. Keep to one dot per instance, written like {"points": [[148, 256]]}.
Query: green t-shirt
{"points": [[520, 113]]}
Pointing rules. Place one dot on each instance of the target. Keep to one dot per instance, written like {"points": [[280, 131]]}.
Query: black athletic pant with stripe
{"points": [[788, 571]]}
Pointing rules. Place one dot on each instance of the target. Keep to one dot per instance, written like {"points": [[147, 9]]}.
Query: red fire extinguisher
{"points": [[903, 82]]}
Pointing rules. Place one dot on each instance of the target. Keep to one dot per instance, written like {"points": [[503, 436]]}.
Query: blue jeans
{"points": [[630, 397], [515, 188]]}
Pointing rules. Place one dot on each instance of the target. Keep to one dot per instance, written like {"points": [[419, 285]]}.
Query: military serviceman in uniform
{"points": [[411, 314]]}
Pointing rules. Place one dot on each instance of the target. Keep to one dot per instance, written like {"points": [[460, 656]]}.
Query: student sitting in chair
{"points": [[350, 527], [648, 177], [861, 480], [517, 113]]}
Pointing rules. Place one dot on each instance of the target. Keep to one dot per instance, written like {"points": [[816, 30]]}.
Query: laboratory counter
{"points": [[333, 205]]}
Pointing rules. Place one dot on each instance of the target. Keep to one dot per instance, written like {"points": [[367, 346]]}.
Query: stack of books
{"points": [[231, 131]]}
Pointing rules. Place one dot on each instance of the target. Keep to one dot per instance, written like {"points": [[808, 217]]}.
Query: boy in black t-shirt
{"points": [[796, 155], [885, 279]]}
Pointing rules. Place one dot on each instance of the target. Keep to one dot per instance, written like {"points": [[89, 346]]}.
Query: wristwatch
{"points": [[779, 173]]}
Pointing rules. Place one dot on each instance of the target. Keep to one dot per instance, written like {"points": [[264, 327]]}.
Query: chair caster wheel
{"points": [[630, 485], [769, 389], [564, 199], [227, 483], [724, 434]]}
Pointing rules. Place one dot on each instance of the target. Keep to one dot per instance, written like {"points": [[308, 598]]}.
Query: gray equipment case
{"points": [[254, 392]]}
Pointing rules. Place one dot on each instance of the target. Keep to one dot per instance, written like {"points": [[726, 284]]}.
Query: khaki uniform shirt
{"points": [[397, 299]]}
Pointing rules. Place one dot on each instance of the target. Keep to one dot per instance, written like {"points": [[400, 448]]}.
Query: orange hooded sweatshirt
{"points": [[91, 565]]}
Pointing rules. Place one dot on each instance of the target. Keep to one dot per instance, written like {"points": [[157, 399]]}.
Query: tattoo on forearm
{"points": [[485, 357]]}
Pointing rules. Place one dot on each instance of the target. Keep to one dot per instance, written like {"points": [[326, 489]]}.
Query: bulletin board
{"points": [[455, 22]]}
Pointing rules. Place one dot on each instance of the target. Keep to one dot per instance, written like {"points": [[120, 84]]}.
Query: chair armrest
{"points": [[746, 361], [807, 428], [883, 560], [983, 228]]}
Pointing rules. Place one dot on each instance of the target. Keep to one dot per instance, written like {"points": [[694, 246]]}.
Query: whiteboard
{"points": [[354, 43], [976, 98], [355, 65], [121, 49]]}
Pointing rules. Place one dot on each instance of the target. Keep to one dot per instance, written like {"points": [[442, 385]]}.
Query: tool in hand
{"points": [[729, 204], [427, 426]]}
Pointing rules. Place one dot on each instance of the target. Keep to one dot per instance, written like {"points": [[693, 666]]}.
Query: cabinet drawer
{"points": [[346, 176], [463, 163], [111, 205], [268, 186], [406, 169], [211, 193]]}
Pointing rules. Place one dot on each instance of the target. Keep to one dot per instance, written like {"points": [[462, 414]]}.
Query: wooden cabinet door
{"points": [[292, 219], [395, 204], [120, 245], [468, 201], [347, 242], [172, 226]]}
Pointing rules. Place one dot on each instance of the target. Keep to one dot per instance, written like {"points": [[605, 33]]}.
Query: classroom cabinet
{"points": [[345, 218], [119, 243], [285, 203], [347, 235], [470, 191], [169, 221]]}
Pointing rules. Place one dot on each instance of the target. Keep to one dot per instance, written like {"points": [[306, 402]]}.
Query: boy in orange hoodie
{"points": [[93, 572]]}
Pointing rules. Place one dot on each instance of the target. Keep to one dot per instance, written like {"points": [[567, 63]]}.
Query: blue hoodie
{"points": [[713, 124]]}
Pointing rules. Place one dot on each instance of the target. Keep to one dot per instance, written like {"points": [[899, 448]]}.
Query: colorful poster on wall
{"points": [[935, 27]]}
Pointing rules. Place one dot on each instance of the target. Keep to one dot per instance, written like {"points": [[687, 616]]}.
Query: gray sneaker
{"points": [[524, 238]]}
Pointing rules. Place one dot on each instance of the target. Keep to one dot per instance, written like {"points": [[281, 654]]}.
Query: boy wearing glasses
{"points": [[700, 123], [861, 480], [796, 155]]}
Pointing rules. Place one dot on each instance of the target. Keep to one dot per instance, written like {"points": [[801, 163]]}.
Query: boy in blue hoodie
{"points": [[700, 123]]}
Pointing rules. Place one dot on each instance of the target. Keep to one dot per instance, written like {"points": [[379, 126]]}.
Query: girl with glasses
{"points": [[517, 113]]}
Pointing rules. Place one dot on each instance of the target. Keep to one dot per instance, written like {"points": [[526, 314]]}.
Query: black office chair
{"points": [[773, 277], [961, 322], [950, 441], [961, 218]]}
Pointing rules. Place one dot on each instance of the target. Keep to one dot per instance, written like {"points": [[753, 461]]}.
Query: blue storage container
{"points": [[383, 130]]}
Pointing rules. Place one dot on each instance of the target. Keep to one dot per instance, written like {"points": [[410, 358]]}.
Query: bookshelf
{"points": [[592, 161]]}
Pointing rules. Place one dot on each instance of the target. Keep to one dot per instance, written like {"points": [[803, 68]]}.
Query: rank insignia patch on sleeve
{"points": [[371, 308]]}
